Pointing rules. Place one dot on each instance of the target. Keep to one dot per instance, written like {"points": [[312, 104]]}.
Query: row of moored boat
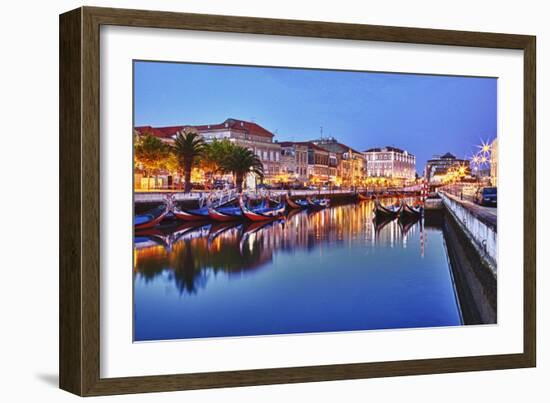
{"points": [[401, 209], [238, 209], [264, 209]]}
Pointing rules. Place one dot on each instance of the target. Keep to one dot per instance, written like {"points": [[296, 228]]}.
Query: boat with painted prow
{"points": [[318, 203], [296, 204], [386, 212], [262, 213], [153, 217], [191, 214], [225, 214], [411, 212]]}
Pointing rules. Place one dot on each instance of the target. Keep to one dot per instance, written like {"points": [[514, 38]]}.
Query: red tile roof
{"points": [[154, 131], [233, 124], [238, 125], [170, 131]]}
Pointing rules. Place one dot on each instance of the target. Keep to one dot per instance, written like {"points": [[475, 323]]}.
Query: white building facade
{"points": [[390, 162]]}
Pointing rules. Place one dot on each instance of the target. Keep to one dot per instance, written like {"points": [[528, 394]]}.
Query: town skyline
{"points": [[295, 107]]}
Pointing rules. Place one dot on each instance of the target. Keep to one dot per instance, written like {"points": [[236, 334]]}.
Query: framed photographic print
{"points": [[249, 201]]}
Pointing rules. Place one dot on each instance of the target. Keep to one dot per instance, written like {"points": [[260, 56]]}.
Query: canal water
{"points": [[317, 271]]}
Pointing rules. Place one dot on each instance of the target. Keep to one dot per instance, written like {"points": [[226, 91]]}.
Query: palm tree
{"points": [[241, 161], [188, 147]]}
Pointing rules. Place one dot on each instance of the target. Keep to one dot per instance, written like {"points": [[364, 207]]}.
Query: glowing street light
{"points": [[485, 147]]}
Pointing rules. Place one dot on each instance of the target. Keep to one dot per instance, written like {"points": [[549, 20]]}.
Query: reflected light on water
{"points": [[324, 270]]}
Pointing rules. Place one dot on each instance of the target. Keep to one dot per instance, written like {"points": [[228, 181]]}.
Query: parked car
{"points": [[486, 196]]}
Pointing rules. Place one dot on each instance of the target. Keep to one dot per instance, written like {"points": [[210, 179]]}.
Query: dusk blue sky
{"points": [[423, 114]]}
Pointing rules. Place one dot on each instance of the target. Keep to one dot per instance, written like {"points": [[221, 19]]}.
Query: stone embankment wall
{"points": [[479, 227]]}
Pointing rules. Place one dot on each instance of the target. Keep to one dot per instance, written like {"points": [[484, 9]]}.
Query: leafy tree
{"points": [[213, 156], [188, 147], [150, 154], [172, 165], [241, 161]]}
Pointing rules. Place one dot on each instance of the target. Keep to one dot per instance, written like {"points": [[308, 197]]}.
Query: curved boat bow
{"points": [[262, 213]]}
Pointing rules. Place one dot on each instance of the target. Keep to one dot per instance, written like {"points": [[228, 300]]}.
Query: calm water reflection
{"points": [[328, 270]]}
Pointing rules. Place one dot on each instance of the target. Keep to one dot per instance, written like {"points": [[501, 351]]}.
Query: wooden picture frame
{"points": [[80, 199]]}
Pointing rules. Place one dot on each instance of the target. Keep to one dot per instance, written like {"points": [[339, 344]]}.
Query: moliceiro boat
{"points": [[386, 212], [196, 214], [318, 203], [225, 214], [296, 204], [411, 212], [153, 217], [191, 214], [262, 213]]}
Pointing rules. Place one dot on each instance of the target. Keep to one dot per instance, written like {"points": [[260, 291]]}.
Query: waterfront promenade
{"points": [[485, 214], [478, 224], [197, 194], [159, 196]]}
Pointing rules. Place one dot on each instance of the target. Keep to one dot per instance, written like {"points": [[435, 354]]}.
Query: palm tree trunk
{"points": [[239, 182], [188, 164]]}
